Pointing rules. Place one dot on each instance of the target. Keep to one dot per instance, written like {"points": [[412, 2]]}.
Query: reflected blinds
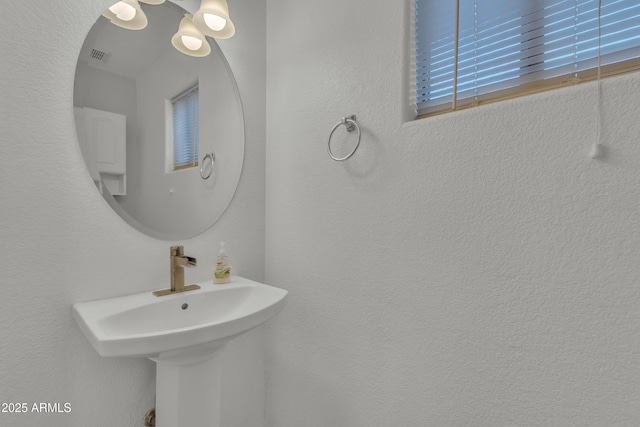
{"points": [[185, 129], [505, 48]]}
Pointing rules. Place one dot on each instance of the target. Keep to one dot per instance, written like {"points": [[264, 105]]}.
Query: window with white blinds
{"points": [[185, 129], [473, 51]]}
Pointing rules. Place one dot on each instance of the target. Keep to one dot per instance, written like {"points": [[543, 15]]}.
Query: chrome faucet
{"points": [[179, 261]]}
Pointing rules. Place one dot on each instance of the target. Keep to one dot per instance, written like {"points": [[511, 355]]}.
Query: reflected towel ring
{"points": [[351, 125], [211, 156]]}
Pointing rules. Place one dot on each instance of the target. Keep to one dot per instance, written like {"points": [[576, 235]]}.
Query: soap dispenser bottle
{"points": [[222, 267]]}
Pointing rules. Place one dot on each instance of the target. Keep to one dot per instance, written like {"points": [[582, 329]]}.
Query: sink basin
{"points": [[183, 334], [144, 325]]}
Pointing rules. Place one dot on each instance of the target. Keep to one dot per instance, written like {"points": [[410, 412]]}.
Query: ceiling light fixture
{"points": [[213, 19], [127, 14], [189, 40], [123, 11]]}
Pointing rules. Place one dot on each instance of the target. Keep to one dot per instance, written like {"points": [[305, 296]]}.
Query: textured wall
{"points": [[471, 269], [63, 244]]}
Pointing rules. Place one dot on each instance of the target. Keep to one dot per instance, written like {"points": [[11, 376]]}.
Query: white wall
{"points": [[470, 269], [473, 269], [63, 244]]}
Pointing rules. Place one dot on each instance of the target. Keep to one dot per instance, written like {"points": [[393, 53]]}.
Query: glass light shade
{"points": [[123, 11], [183, 39], [120, 14], [214, 12], [215, 22], [191, 43]]}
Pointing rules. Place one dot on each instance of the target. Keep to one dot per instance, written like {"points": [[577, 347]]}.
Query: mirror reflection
{"points": [[162, 133]]}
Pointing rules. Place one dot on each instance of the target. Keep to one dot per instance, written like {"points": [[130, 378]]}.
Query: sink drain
{"points": [[185, 306]]}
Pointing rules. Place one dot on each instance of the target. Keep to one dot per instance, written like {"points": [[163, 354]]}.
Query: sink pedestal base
{"points": [[188, 390]]}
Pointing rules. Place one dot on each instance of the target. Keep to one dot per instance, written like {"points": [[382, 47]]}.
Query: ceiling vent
{"points": [[100, 55]]}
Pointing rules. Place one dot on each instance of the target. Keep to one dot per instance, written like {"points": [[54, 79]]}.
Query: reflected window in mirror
{"points": [[184, 135]]}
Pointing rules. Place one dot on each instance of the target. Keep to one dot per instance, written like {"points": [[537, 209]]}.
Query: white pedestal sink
{"points": [[184, 334]]}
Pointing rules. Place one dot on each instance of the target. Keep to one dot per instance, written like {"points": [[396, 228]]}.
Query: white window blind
{"points": [[503, 48], [185, 129]]}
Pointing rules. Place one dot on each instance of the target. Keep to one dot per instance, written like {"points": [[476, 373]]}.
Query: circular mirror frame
{"points": [[231, 182]]}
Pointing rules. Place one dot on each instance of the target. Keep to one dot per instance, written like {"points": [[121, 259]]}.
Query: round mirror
{"points": [[162, 132]]}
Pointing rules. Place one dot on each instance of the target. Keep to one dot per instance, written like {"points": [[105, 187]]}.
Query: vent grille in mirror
{"points": [[100, 55]]}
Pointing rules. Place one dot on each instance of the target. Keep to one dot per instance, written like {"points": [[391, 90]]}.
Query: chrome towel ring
{"points": [[212, 157], [351, 125]]}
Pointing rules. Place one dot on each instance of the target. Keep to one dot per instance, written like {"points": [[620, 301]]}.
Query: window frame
{"points": [[173, 165], [454, 103]]}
